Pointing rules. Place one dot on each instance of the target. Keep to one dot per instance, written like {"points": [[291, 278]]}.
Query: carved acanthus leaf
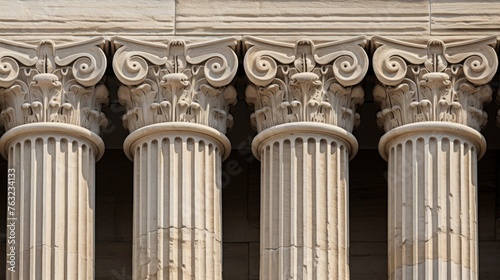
{"points": [[176, 82], [49, 83], [433, 82], [305, 82]]}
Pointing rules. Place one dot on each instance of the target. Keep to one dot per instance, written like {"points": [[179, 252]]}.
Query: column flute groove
{"points": [[431, 98], [305, 97]]}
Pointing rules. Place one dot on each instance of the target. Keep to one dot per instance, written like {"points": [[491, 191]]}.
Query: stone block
{"points": [[464, 17], [318, 17], [66, 18]]}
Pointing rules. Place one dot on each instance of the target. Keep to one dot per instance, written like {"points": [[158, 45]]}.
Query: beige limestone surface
{"points": [[305, 97], [431, 98], [29, 21], [321, 19], [50, 107], [177, 96]]}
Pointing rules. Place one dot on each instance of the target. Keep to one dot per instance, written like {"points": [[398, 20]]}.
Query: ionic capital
{"points": [[52, 83], [176, 82], [433, 82], [305, 82]]}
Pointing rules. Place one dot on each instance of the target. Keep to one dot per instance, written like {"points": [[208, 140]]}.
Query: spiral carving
{"points": [[451, 77], [347, 70], [84, 71], [218, 72], [176, 82], [62, 83], [131, 69], [9, 70], [390, 71], [295, 82], [260, 68], [87, 61], [477, 57], [476, 69]]}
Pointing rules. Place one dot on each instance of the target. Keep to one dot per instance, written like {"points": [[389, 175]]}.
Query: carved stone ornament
{"points": [[433, 82], [305, 82], [176, 82], [49, 83]]}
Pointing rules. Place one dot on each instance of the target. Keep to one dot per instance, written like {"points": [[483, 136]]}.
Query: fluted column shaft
{"points": [[177, 97], [305, 97], [432, 201], [431, 98], [179, 166], [50, 217], [304, 182], [50, 107]]}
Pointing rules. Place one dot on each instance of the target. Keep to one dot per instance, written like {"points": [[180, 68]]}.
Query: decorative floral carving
{"points": [[305, 82], [176, 82], [433, 82], [49, 83]]}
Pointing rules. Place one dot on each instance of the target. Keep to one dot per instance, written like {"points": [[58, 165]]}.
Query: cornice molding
{"points": [[176, 81], [305, 82], [52, 83], [433, 82]]}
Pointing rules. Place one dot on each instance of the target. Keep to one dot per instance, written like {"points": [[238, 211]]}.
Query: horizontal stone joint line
{"points": [[177, 228]]}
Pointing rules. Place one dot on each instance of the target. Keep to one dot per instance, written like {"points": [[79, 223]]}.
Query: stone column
{"points": [[305, 97], [51, 111], [431, 98], [177, 98]]}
